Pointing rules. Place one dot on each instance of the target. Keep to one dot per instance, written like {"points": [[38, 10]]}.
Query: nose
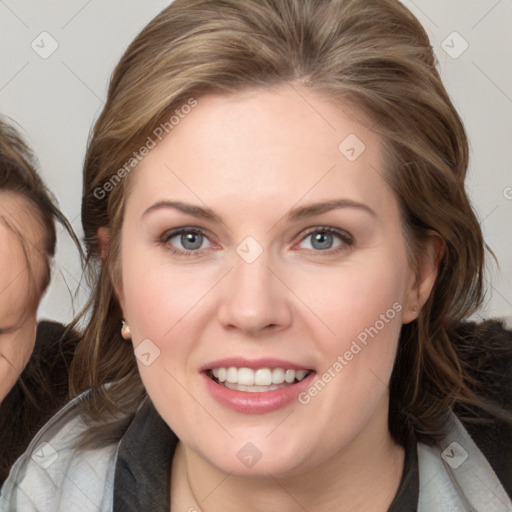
{"points": [[254, 301]]}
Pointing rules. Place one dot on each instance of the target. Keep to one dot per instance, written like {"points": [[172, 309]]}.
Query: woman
{"points": [[33, 369], [274, 201]]}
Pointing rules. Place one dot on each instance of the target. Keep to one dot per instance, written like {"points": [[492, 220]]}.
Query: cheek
{"points": [[165, 313], [351, 299], [356, 328], [158, 297], [167, 305], [373, 297]]}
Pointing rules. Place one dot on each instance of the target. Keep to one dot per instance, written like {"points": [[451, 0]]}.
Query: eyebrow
{"points": [[327, 206], [189, 209], [293, 215]]}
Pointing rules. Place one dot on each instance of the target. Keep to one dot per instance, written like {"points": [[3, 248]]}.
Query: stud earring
{"points": [[125, 330], [415, 310]]}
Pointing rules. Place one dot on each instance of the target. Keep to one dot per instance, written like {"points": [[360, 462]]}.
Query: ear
{"points": [[423, 281], [103, 235]]}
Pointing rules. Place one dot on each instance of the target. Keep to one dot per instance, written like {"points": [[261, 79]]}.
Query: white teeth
{"points": [[263, 377], [290, 376], [277, 376], [300, 374], [245, 377], [232, 375], [254, 379]]}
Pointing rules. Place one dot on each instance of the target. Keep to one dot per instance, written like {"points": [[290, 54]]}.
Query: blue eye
{"points": [[325, 239], [191, 241], [186, 240]]}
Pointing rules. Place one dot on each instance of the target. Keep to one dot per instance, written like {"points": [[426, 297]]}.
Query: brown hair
{"points": [[373, 54], [18, 176]]}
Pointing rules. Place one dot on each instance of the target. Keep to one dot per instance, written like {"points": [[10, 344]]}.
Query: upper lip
{"points": [[254, 364]]}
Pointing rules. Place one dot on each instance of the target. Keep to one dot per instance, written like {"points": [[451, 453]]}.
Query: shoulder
{"points": [[52, 475]]}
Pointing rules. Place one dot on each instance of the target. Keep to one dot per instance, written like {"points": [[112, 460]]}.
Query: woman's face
{"points": [[18, 306], [260, 243]]}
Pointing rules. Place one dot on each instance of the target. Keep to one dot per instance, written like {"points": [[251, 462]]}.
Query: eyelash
{"points": [[346, 239]]}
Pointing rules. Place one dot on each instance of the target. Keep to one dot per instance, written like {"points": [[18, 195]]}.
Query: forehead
{"points": [[273, 145]]}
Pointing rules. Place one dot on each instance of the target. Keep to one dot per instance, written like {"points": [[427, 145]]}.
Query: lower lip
{"points": [[256, 403]]}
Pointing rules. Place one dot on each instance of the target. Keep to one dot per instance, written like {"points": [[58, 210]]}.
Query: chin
{"points": [[255, 460]]}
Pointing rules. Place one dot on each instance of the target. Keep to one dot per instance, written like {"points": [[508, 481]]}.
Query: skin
{"points": [[18, 306], [251, 158]]}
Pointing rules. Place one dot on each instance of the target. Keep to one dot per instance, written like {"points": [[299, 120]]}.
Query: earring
{"points": [[415, 310], [125, 330]]}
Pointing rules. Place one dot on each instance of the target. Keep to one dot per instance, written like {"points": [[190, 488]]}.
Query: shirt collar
{"points": [[406, 498], [142, 471]]}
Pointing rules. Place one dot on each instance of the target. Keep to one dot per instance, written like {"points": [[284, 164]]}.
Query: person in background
{"points": [[34, 358]]}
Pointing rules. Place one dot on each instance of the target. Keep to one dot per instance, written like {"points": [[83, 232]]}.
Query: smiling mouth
{"points": [[256, 381]]}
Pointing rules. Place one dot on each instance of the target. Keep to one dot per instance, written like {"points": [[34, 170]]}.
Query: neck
{"points": [[363, 476]]}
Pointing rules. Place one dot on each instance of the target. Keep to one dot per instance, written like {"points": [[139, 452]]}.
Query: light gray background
{"points": [[56, 100]]}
